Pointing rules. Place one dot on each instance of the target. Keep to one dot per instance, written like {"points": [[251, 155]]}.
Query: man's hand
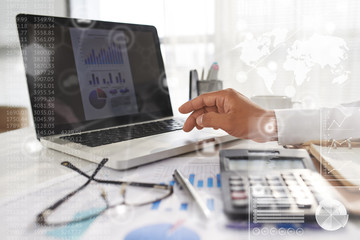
{"points": [[232, 112]]}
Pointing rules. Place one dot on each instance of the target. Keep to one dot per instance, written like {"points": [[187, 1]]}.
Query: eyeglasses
{"points": [[96, 196]]}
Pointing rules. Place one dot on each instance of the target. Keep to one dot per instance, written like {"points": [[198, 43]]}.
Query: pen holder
{"points": [[205, 86]]}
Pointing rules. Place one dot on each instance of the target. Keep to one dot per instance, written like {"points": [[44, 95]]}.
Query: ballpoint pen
{"points": [[193, 90], [179, 178], [202, 75], [213, 72]]}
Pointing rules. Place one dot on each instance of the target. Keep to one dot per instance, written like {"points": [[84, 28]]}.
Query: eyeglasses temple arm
{"points": [[41, 216], [72, 167]]}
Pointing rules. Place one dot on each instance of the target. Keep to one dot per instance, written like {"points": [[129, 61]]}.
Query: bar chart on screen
{"points": [[106, 78], [111, 54]]}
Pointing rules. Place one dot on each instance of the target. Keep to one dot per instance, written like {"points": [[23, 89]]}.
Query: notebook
{"points": [[99, 90], [341, 162], [342, 165]]}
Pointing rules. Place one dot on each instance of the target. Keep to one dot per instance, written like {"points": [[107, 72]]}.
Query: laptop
{"points": [[98, 90]]}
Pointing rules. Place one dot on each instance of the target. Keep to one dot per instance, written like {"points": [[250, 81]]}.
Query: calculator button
{"points": [[256, 178], [308, 183], [275, 183], [303, 203], [240, 203], [306, 178], [300, 195], [291, 182], [280, 194], [237, 189], [238, 195], [236, 178], [273, 178], [295, 189], [258, 183], [258, 192], [287, 175], [289, 178], [313, 189], [279, 188], [237, 182]]}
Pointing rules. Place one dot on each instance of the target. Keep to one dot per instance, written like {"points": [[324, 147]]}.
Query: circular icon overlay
{"points": [[209, 147], [122, 34], [97, 98], [31, 147], [68, 82], [331, 215], [121, 214]]}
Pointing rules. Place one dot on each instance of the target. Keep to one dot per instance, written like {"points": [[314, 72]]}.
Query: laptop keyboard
{"points": [[113, 135]]}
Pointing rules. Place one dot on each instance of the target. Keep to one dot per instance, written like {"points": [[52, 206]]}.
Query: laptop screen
{"points": [[85, 74]]}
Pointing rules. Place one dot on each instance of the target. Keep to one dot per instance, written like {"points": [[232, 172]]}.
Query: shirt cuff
{"points": [[296, 126]]}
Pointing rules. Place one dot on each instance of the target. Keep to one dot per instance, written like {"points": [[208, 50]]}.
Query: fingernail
{"points": [[199, 120]]}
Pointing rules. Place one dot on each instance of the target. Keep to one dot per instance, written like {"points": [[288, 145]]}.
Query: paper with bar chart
{"points": [[339, 154], [176, 217], [104, 73]]}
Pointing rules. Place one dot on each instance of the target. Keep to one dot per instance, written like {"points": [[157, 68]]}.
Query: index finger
{"points": [[204, 100]]}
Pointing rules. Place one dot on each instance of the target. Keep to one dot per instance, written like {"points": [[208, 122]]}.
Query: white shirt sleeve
{"points": [[296, 126]]}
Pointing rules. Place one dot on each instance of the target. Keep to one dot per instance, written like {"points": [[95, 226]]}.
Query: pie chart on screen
{"points": [[97, 98]]}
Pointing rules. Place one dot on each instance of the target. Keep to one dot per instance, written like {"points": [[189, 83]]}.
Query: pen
{"points": [[194, 78], [179, 178], [213, 72]]}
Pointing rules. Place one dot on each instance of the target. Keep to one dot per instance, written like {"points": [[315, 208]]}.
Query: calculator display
{"points": [[262, 164]]}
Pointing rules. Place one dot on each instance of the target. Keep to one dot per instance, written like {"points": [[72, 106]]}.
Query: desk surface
{"points": [[26, 165]]}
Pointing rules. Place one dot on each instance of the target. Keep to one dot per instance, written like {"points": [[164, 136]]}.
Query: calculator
{"points": [[271, 186]]}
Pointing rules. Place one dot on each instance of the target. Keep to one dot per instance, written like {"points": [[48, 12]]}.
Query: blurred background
{"points": [[307, 50]]}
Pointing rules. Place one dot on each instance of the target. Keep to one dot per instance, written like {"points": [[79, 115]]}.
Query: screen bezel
{"points": [[104, 122]]}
